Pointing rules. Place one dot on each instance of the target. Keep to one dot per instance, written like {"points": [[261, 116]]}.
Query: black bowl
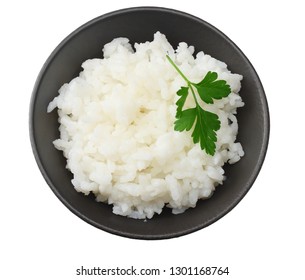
{"points": [[139, 24]]}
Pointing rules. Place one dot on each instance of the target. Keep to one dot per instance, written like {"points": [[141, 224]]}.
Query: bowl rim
{"points": [[250, 181]]}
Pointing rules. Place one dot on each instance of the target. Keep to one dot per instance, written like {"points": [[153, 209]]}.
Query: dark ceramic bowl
{"points": [[139, 25]]}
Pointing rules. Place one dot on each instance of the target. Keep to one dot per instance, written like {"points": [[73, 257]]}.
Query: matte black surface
{"points": [[139, 25]]}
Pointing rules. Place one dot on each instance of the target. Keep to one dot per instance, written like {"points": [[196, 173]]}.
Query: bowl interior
{"points": [[139, 25]]}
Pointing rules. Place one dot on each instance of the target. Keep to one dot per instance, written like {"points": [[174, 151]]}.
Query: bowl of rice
{"points": [[103, 119]]}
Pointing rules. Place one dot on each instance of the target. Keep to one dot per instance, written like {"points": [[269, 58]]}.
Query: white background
{"points": [[262, 238]]}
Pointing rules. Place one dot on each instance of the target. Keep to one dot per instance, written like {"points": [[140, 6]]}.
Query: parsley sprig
{"points": [[206, 123]]}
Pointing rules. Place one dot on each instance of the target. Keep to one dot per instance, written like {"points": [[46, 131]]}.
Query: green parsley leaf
{"points": [[185, 120], [183, 93], [205, 130], [205, 123], [210, 88]]}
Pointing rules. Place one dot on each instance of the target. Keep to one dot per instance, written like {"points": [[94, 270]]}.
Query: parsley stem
{"points": [[178, 70], [183, 76], [194, 95]]}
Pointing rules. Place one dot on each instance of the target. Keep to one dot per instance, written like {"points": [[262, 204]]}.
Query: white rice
{"points": [[117, 132]]}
